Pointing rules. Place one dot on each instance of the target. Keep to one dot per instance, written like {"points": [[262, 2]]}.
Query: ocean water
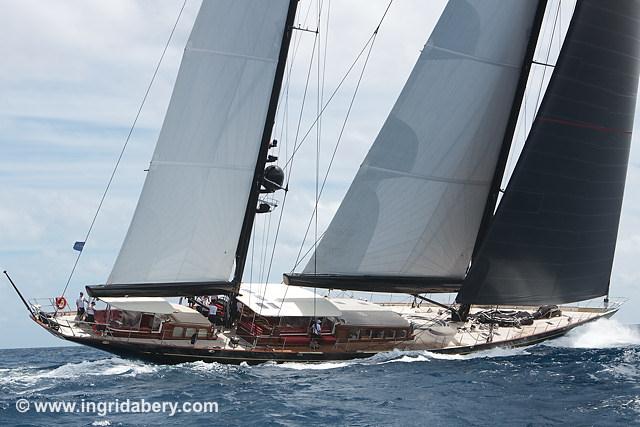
{"points": [[589, 377]]}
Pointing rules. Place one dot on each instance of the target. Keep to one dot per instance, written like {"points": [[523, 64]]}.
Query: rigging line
{"points": [[297, 40], [369, 43], [335, 91], [375, 32], [263, 245], [304, 97], [268, 229], [318, 136], [560, 27], [544, 71], [253, 248], [321, 67], [335, 149], [307, 252], [522, 127], [126, 142], [296, 43], [284, 199], [543, 30], [523, 124]]}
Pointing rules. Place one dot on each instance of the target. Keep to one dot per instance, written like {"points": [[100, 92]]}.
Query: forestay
{"points": [[415, 205], [188, 219]]}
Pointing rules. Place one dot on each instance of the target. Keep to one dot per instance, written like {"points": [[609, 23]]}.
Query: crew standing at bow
{"points": [[80, 306]]}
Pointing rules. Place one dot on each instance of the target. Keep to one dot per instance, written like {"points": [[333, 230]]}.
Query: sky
{"points": [[73, 75]]}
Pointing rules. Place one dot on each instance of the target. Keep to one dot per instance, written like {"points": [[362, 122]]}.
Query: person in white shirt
{"points": [[91, 312], [80, 306], [317, 328]]}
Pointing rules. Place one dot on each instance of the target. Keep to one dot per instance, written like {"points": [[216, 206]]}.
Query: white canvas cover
{"points": [[278, 300], [143, 304], [188, 219], [415, 205]]}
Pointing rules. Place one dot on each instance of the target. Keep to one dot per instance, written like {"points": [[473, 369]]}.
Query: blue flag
{"points": [[78, 246]]}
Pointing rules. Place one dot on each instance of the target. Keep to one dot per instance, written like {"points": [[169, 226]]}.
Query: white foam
{"points": [[205, 368], [603, 333], [101, 423], [398, 356], [626, 367], [425, 356], [314, 366], [103, 367], [72, 371]]}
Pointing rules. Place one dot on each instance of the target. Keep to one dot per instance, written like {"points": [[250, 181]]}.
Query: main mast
{"points": [[492, 198], [258, 176]]}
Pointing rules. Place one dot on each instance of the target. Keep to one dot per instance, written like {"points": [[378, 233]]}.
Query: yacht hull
{"points": [[165, 354]]}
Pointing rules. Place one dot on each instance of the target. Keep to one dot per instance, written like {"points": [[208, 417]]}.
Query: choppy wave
{"points": [[625, 367], [114, 366], [603, 333], [561, 384], [398, 356]]}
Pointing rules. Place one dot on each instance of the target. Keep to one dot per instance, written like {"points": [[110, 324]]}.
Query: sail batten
{"points": [[415, 205], [187, 223], [553, 237], [474, 58]]}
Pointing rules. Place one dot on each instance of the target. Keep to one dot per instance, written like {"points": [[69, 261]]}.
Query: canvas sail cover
{"points": [[414, 207], [188, 219], [554, 234]]}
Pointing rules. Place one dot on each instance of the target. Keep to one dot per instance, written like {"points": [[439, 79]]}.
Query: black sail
{"points": [[553, 236]]}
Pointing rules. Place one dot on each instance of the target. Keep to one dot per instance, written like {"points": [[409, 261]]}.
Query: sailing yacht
{"points": [[422, 216]]}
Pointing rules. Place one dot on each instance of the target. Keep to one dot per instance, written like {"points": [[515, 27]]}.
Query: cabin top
{"points": [[157, 306], [145, 304], [279, 300]]}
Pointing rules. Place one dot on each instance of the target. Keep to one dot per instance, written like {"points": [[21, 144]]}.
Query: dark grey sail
{"points": [[553, 237]]}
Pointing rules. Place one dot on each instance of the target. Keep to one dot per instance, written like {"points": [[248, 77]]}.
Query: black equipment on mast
{"points": [[259, 174]]}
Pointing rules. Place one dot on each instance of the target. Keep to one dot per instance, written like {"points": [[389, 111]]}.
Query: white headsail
{"points": [[188, 219], [415, 205]]}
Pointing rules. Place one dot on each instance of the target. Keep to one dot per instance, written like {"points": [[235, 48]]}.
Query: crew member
{"points": [[91, 312], [316, 329], [80, 306]]}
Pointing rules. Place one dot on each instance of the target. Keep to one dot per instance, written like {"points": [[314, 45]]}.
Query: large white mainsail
{"points": [[188, 219], [415, 205]]}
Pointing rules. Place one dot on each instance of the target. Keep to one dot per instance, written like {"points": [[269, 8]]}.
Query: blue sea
{"points": [[590, 377]]}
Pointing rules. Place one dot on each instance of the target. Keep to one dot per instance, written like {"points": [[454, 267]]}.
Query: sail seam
{"points": [[583, 125], [430, 177], [233, 55], [198, 165], [471, 57]]}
